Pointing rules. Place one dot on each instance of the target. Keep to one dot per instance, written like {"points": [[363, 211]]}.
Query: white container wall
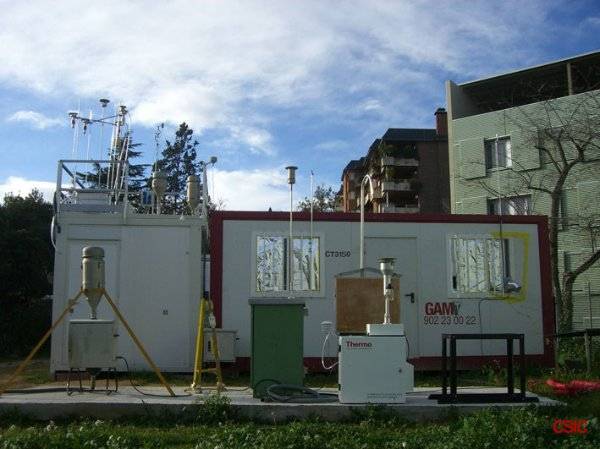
{"points": [[459, 274], [153, 273]]}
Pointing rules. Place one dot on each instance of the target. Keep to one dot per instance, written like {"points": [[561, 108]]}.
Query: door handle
{"points": [[411, 295]]}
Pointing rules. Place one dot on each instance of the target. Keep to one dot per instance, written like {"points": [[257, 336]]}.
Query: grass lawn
{"points": [[214, 425]]}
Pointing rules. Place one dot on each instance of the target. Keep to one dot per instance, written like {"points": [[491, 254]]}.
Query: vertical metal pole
{"points": [[444, 366], [569, 79], [365, 179], [58, 192], [522, 367], [588, 351], [362, 226], [453, 383], [509, 366], [311, 281], [198, 359], [589, 295], [291, 244]]}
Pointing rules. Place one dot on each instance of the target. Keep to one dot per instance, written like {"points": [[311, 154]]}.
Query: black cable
{"points": [[38, 390], [305, 394], [275, 381], [135, 387]]}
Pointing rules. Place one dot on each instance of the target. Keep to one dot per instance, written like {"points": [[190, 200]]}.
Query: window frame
{"points": [[489, 167], [254, 293], [494, 203], [455, 293]]}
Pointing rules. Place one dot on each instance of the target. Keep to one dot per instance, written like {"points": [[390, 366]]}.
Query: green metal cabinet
{"points": [[277, 343]]}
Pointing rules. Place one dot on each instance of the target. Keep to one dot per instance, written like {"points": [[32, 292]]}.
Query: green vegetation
{"points": [[325, 200], [26, 267], [178, 162], [213, 426]]}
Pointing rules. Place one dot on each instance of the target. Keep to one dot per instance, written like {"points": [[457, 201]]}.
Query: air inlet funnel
{"points": [[386, 265], [92, 276]]}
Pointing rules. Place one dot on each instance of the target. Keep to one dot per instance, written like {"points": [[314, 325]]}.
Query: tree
{"points": [[27, 255], [136, 173], [566, 133], [26, 268], [325, 200], [178, 162]]}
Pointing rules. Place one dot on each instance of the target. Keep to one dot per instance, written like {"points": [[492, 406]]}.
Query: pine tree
{"points": [[98, 178], [178, 162]]}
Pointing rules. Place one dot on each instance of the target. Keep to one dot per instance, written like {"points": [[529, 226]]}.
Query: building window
{"points": [[272, 260], [498, 153], [480, 265], [513, 205]]}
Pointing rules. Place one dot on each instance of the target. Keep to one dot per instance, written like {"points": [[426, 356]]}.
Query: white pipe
{"points": [[291, 245], [362, 216]]}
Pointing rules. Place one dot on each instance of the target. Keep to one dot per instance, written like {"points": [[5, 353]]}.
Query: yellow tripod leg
{"points": [[37, 347], [138, 344], [199, 357]]}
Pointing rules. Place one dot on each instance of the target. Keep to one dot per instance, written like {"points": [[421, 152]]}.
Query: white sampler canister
{"points": [[193, 192], [92, 276]]}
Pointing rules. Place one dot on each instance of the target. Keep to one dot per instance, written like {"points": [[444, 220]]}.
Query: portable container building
{"points": [[459, 274], [153, 267]]}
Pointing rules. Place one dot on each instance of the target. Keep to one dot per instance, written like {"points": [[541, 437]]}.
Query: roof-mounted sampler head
{"points": [[193, 192]]}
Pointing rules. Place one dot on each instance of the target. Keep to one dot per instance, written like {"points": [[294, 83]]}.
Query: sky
{"points": [[263, 84]]}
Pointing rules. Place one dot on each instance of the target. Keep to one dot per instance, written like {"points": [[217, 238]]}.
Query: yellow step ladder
{"points": [[206, 309]]}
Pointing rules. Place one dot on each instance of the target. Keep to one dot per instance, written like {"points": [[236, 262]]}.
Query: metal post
{"points": [[366, 179], [57, 193], [588, 351], [291, 244], [509, 366], [453, 382], [444, 366], [198, 359], [522, 366], [569, 79], [589, 295], [291, 181]]}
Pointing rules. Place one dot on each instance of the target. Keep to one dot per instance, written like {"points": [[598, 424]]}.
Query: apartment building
{"points": [[508, 137], [408, 168]]}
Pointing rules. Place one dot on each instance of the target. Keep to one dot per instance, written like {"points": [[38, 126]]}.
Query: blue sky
{"points": [[263, 84]]}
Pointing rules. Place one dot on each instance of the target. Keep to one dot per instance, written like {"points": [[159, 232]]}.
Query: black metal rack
{"points": [[509, 396]]}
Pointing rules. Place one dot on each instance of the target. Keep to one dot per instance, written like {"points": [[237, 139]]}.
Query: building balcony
{"points": [[387, 161], [396, 186], [400, 209]]}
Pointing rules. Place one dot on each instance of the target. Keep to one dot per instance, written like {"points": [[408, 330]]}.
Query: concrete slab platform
{"points": [[128, 402]]}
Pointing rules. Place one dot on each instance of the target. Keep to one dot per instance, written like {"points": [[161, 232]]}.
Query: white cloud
{"points": [[333, 145], [35, 119], [250, 189], [593, 21], [22, 186], [371, 105], [215, 63]]}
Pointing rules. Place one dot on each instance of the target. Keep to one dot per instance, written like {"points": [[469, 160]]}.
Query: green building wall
{"points": [[472, 185]]}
